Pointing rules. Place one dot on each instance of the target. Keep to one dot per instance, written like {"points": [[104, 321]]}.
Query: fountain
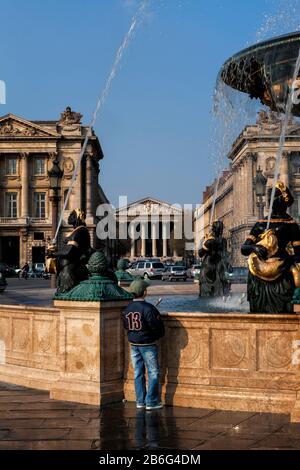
{"points": [[265, 71], [270, 71], [232, 360]]}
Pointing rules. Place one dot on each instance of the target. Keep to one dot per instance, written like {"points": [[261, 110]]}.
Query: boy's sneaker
{"points": [[154, 407], [140, 406]]}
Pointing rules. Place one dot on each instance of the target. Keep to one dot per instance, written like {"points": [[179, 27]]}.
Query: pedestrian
{"points": [[144, 327]]}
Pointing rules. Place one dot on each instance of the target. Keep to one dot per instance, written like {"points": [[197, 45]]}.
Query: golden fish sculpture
{"points": [[271, 268]]}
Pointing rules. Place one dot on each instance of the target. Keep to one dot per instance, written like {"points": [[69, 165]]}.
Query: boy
{"points": [[144, 327]]}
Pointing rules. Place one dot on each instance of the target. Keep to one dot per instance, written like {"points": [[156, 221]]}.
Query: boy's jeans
{"points": [[141, 357]]}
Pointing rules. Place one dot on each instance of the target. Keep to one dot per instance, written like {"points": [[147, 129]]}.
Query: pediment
{"points": [[149, 206], [14, 126]]}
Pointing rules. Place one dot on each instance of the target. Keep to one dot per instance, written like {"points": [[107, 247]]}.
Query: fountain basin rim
{"points": [[234, 315], [268, 44]]}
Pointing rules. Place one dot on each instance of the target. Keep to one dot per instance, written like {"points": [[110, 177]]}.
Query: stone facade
{"points": [[236, 203], [27, 150], [154, 226]]}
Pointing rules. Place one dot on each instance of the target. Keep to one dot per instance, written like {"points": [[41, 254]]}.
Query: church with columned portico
{"points": [[150, 228]]}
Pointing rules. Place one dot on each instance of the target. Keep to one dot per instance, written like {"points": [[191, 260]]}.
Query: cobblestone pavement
{"points": [[29, 420]]}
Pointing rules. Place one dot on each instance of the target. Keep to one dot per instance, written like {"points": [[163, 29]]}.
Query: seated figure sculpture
{"points": [[215, 263], [273, 257], [72, 259]]}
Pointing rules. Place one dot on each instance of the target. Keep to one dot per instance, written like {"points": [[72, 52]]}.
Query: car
{"points": [[194, 270], [147, 269], [132, 268], [39, 267], [176, 273], [7, 271], [238, 275]]}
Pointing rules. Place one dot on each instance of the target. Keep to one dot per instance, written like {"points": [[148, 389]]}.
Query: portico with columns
{"points": [[153, 228]]}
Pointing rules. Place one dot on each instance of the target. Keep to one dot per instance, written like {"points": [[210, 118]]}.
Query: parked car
{"points": [[193, 271], [239, 275], [132, 268], [147, 269], [7, 270], [39, 267], [176, 273], [3, 282]]}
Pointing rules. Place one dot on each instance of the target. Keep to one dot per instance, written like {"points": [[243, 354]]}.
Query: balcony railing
{"points": [[16, 221]]}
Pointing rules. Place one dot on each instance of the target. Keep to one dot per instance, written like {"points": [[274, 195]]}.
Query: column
{"points": [[89, 181], [154, 239], [132, 241], [165, 239], [250, 190], [284, 170], [25, 183], [143, 237]]}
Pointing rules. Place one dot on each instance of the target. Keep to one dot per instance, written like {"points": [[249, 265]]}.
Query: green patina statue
{"points": [[69, 263], [215, 264], [101, 285], [122, 275]]}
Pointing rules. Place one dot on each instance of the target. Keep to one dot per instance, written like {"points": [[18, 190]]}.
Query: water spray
{"points": [[101, 100], [282, 139]]}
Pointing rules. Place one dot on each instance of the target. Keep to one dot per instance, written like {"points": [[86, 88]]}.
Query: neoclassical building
{"points": [[27, 151], [236, 204], [150, 228]]}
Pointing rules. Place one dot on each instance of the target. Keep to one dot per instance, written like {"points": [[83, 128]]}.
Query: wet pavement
{"points": [[29, 420]]}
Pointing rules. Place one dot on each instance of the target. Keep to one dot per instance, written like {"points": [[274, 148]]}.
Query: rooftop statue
{"points": [[273, 257], [215, 263]]}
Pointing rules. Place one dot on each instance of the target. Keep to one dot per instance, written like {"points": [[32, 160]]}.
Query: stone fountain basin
{"points": [[230, 361], [265, 71]]}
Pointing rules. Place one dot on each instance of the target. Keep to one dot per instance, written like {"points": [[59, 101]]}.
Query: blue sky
{"points": [[155, 127]]}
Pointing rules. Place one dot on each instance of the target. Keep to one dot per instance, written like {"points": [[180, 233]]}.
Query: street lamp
{"points": [[260, 187], [55, 175]]}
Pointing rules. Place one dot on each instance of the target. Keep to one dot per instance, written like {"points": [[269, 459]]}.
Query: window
{"points": [[38, 236], [148, 265], [11, 166], [11, 205], [141, 265], [39, 166], [40, 205]]}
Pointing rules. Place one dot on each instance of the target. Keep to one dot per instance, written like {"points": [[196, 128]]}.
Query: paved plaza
{"points": [[39, 292], [29, 420]]}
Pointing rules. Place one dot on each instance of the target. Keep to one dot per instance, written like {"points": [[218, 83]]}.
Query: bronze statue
{"points": [[215, 263], [72, 259], [273, 257]]}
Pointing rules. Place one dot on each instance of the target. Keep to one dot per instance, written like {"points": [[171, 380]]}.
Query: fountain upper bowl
{"points": [[266, 71]]}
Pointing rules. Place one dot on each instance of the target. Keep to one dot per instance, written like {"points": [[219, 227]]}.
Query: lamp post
{"points": [[260, 187], [55, 175]]}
